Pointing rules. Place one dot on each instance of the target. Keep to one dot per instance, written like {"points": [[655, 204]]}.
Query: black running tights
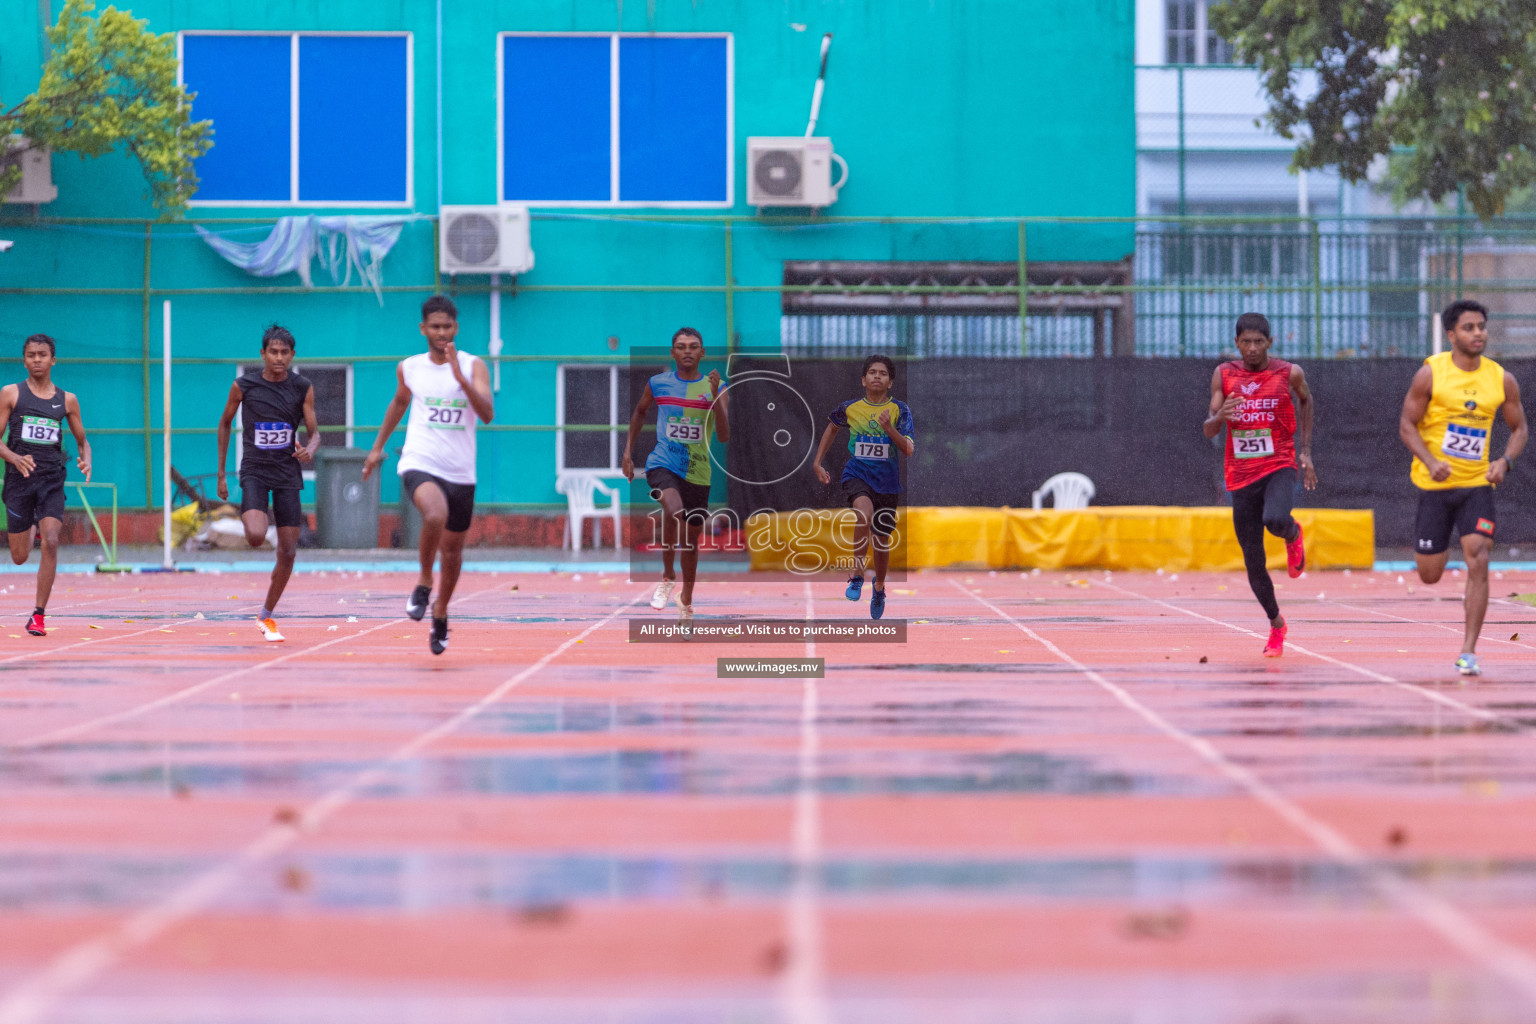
{"points": [[1264, 505]]}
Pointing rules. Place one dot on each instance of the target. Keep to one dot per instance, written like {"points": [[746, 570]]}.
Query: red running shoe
{"points": [[35, 625], [1276, 645], [1295, 555]]}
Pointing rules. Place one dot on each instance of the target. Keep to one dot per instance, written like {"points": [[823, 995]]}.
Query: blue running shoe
{"points": [[876, 603], [1467, 665], [855, 586]]}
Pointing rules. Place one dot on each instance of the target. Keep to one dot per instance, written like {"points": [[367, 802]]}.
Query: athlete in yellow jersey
{"points": [[1447, 423]]}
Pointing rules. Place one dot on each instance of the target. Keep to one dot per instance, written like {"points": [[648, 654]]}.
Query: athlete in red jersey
{"points": [[1252, 397]]}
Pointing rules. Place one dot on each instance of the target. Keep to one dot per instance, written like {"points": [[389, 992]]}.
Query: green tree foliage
{"points": [[110, 82], [1452, 82]]}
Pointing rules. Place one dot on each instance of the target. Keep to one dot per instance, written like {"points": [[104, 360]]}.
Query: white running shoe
{"points": [[1468, 665], [269, 631], [685, 618], [663, 594]]}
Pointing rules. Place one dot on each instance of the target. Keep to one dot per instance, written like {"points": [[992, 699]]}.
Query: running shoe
{"points": [[685, 618], [416, 604], [876, 603], [269, 631], [35, 625], [855, 586], [1295, 555], [439, 640], [663, 594], [1276, 645], [1468, 665]]}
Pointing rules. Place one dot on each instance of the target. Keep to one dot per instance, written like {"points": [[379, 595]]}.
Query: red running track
{"points": [[1064, 799]]}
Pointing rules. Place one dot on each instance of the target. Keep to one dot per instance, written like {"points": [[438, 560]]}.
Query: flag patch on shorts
{"points": [[1485, 526]]}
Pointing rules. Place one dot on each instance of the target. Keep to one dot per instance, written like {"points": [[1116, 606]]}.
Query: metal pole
{"points": [[149, 468], [1317, 291], [1023, 291], [1185, 256], [167, 562], [730, 286]]}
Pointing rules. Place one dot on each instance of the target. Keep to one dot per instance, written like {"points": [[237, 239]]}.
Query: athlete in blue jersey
{"points": [[878, 428], [678, 468]]}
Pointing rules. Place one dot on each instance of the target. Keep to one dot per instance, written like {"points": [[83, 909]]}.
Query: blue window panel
{"points": [[242, 86], [556, 118], [354, 116], [673, 98]]}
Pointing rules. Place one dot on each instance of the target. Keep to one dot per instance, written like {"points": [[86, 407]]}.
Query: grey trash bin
{"points": [[346, 505]]}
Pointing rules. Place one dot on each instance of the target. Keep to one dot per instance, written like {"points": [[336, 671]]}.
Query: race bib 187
{"points": [[39, 430], [273, 436], [687, 431], [871, 449], [1252, 444], [1464, 442]]}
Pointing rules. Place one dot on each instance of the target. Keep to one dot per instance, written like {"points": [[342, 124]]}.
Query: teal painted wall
{"points": [[971, 108]]}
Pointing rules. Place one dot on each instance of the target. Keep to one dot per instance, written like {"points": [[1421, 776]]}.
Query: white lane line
{"points": [[70, 732], [803, 990], [1371, 674], [1458, 630], [37, 994], [1512, 963]]}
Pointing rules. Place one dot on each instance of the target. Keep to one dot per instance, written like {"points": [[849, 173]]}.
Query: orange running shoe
{"points": [[1276, 645], [1295, 555]]}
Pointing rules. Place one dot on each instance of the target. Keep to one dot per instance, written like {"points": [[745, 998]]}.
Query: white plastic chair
{"points": [[581, 488], [1070, 490]]}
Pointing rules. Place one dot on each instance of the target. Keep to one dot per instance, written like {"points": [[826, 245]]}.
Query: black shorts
{"points": [[883, 522], [31, 499], [461, 497], [695, 496], [1463, 509], [287, 510]]}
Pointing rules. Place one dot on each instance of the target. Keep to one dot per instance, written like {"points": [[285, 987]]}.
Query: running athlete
{"points": [[34, 464], [878, 427], [1266, 407], [678, 468], [275, 400], [448, 392], [1446, 423]]}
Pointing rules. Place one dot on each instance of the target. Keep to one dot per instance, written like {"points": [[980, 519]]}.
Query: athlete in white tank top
{"points": [[447, 393]]}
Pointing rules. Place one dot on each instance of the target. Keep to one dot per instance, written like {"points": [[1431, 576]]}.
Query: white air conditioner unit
{"points": [[36, 185], [792, 171], [484, 240]]}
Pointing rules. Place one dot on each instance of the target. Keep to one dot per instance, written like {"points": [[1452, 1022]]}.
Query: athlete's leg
{"points": [[671, 500], [693, 526], [1279, 496], [255, 523], [432, 503], [451, 561], [1475, 548], [1431, 567], [287, 550], [1248, 523], [48, 529], [882, 524], [21, 546], [864, 513], [1432, 533]]}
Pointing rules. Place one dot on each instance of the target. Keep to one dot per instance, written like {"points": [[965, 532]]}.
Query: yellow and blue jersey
{"points": [[871, 453], [1458, 421], [683, 423]]}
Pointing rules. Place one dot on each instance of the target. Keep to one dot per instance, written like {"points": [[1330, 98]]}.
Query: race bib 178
{"points": [[1464, 442], [687, 431], [273, 436], [1252, 444], [871, 449], [39, 430]]}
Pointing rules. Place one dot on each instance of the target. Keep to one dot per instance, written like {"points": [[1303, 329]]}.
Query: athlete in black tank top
{"points": [[35, 411], [271, 401]]}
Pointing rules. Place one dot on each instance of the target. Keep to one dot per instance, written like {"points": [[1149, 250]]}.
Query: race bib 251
{"points": [[1252, 444]]}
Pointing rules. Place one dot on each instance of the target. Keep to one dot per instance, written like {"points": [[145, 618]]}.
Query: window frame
{"points": [[293, 202], [613, 201], [613, 467], [238, 427], [1198, 35]]}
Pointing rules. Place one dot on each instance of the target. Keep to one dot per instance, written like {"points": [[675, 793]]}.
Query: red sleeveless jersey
{"points": [[1261, 434]]}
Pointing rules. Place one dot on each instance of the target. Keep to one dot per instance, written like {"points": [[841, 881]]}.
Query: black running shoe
{"points": [[439, 641], [416, 604]]}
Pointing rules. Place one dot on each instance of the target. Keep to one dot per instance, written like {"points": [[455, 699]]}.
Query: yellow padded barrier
{"points": [[1110, 537]]}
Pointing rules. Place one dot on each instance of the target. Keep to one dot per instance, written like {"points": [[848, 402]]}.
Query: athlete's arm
{"points": [[1223, 407], [827, 437], [1304, 408], [306, 452], [23, 463], [718, 410], [902, 442], [231, 404], [1514, 418], [636, 421], [1414, 406], [76, 427], [397, 407], [478, 388]]}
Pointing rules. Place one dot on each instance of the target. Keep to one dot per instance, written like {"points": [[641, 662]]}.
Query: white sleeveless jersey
{"points": [[440, 435]]}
